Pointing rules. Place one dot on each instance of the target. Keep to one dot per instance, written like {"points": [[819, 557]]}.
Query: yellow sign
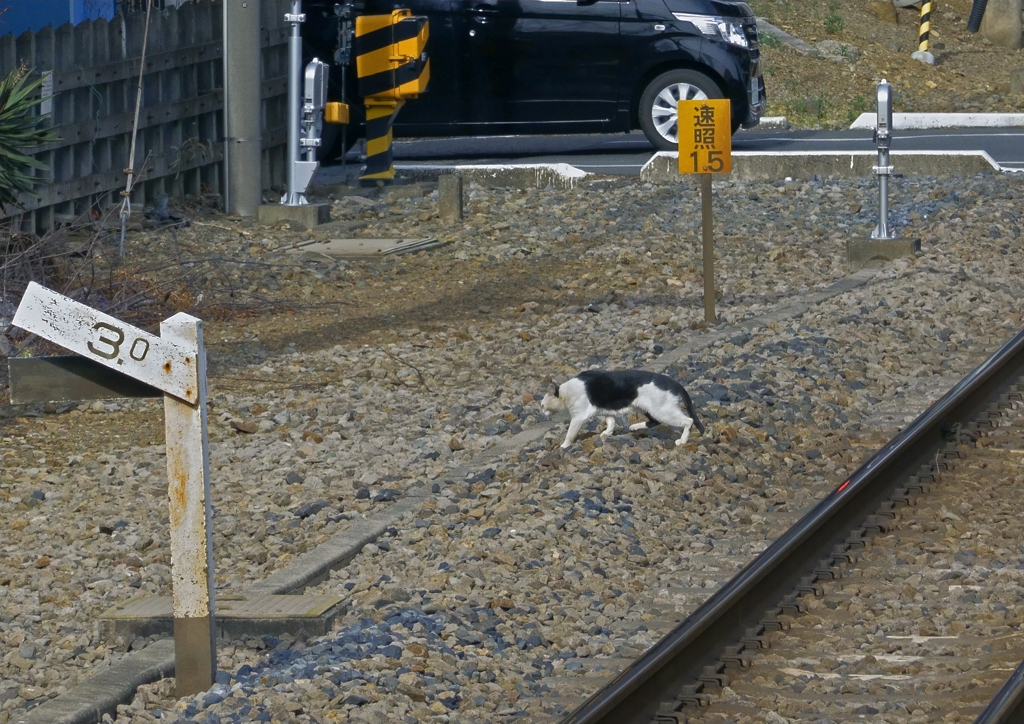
{"points": [[705, 136]]}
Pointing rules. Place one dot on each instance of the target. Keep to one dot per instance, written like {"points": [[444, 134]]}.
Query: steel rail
{"points": [[636, 695], [1007, 706]]}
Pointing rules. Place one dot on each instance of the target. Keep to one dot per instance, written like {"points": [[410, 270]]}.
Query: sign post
{"points": [[174, 364], [705, 147]]}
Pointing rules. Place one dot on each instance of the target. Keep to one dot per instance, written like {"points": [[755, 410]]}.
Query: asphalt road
{"points": [[626, 153]]}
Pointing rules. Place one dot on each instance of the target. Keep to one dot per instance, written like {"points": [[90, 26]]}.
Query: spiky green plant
{"points": [[20, 131]]}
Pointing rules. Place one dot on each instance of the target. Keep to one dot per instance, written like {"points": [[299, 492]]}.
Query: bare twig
{"points": [[410, 366]]}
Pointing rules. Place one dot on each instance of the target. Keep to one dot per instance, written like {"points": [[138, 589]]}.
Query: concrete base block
{"points": [[306, 215], [449, 205], [519, 176], [865, 252], [1017, 80], [756, 166], [1001, 23], [236, 616]]}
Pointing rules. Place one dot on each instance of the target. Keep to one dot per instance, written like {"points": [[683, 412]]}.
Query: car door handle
{"points": [[483, 10], [484, 13]]}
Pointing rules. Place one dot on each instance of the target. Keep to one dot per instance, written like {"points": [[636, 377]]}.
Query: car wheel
{"points": [[658, 104]]}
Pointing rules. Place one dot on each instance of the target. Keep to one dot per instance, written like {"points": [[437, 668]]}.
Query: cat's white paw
{"points": [[566, 445], [606, 433], [638, 426]]}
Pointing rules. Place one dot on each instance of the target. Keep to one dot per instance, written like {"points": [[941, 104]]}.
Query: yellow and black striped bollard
{"points": [[924, 27], [392, 66]]}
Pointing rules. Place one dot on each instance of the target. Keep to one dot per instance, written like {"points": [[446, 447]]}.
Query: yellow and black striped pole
{"points": [[923, 29], [392, 66]]}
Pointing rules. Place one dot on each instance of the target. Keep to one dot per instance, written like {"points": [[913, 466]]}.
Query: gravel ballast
{"points": [[541, 567]]}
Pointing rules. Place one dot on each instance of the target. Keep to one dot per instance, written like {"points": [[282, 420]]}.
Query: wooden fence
{"points": [[92, 70]]}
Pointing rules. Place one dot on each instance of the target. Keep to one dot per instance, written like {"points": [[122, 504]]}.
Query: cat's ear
{"points": [[553, 389]]}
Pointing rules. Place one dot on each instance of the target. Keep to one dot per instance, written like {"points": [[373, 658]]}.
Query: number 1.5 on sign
{"points": [[705, 136]]}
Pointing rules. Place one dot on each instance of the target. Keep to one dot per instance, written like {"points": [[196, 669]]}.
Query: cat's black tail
{"points": [[689, 411]]}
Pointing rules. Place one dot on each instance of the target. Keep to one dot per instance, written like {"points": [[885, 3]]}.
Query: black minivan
{"points": [[504, 67]]}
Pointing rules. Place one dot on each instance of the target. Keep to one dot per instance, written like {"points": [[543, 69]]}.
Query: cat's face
{"points": [[551, 402]]}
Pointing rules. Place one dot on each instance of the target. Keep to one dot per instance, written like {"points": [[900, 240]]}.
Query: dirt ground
{"points": [[969, 74]]}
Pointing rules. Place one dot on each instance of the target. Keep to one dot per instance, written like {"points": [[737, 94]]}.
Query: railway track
{"points": [[797, 631]]}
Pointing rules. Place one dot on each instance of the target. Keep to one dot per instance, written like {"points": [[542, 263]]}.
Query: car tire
{"points": [[330, 143], [658, 104]]}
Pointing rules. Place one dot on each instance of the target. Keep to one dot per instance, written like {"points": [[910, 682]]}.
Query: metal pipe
{"points": [[882, 232], [293, 196], [244, 190]]}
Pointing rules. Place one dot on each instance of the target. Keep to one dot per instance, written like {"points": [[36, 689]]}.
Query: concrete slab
{"points": [[236, 616], [356, 248], [866, 252], [305, 215], [754, 166]]}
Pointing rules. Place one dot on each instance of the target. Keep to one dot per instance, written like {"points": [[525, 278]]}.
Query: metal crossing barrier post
{"points": [[883, 244], [296, 17], [924, 27], [305, 104], [392, 66], [883, 169]]}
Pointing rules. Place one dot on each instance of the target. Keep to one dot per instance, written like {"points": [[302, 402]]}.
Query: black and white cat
{"points": [[600, 392]]}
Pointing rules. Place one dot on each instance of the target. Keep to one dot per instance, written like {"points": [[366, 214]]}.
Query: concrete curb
{"points": [[800, 46], [790, 311], [756, 166], [917, 121], [522, 176], [99, 695]]}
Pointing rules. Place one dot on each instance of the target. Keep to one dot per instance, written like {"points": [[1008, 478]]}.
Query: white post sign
{"points": [[174, 363], [166, 365]]}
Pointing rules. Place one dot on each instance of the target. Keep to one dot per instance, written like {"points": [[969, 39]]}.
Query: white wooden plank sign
{"points": [[148, 358]]}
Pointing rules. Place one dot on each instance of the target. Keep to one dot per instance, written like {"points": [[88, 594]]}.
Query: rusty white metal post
{"points": [[188, 482]]}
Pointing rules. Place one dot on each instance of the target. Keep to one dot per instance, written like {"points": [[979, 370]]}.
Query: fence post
{"points": [[188, 482]]}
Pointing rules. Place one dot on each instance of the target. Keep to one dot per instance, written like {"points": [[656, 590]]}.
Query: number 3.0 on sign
{"points": [[705, 136]]}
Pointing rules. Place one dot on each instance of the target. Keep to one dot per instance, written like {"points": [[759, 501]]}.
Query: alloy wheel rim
{"points": [[664, 109]]}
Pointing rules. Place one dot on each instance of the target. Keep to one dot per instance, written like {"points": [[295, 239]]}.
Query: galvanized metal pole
{"points": [[242, 112], [709, 247], [882, 229], [883, 169], [294, 197], [188, 482]]}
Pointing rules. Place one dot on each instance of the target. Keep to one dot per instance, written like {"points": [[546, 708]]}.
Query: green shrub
{"points": [[19, 132], [833, 21]]}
